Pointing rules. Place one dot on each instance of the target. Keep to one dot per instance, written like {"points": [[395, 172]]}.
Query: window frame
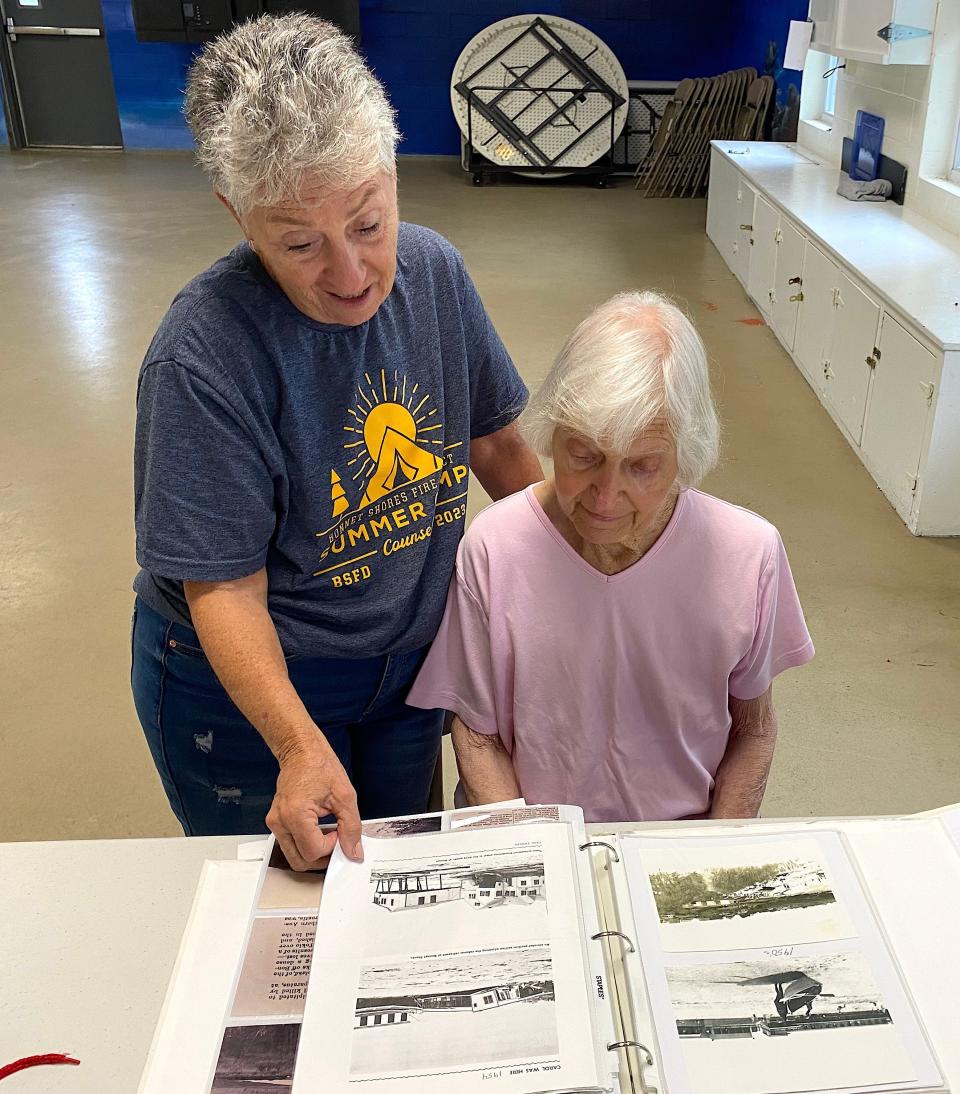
{"points": [[831, 86], [953, 171]]}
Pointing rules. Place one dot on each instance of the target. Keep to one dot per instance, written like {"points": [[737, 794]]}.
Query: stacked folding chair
{"points": [[733, 106]]}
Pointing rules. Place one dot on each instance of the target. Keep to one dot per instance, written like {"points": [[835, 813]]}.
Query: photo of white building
{"points": [[496, 886]]}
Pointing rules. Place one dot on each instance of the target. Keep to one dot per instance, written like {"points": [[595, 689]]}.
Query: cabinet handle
{"points": [[795, 281], [797, 296], [746, 227], [872, 362]]}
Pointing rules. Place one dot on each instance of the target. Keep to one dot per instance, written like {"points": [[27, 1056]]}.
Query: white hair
{"points": [[635, 359], [281, 98]]}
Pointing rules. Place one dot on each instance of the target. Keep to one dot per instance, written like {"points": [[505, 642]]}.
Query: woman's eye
{"points": [[370, 229], [298, 246]]}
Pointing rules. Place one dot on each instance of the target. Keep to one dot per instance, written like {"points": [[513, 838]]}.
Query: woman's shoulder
{"points": [[501, 529], [727, 520]]}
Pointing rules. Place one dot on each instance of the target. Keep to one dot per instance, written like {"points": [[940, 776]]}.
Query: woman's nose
{"points": [[345, 272]]}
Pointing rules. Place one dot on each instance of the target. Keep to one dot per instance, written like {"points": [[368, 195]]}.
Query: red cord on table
{"points": [[36, 1061]]}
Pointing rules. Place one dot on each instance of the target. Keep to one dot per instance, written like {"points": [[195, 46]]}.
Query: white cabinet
{"points": [[746, 196], [816, 315], [883, 32], [788, 282], [866, 343], [900, 405], [851, 360], [722, 206], [763, 257]]}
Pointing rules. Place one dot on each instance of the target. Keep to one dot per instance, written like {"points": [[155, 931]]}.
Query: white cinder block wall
{"points": [[921, 106]]}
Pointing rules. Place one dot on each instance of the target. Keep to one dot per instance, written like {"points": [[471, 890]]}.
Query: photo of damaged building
{"points": [[397, 890], [387, 1012]]}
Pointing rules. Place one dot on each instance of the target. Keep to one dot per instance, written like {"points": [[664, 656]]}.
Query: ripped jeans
{"points": [[216, 769]]}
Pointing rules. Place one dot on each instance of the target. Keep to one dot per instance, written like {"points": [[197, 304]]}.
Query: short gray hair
{"points": [[633, 360], [281, 98]]}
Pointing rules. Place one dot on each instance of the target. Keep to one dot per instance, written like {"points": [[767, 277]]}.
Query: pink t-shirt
{"points": [[611, 692]]}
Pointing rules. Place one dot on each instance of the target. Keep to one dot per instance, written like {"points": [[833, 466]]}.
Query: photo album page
{"points": [[765, 969], [455, 961]]}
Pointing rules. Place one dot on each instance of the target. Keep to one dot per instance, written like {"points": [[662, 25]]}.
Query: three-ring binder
{"points": [[618, 934], [601, 843], [632, 1044]]}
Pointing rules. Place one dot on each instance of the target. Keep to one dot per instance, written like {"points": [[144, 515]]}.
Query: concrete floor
{"points": [[92, 249]]}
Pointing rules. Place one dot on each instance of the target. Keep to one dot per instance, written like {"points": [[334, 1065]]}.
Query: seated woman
{"points": [[611, 635]]}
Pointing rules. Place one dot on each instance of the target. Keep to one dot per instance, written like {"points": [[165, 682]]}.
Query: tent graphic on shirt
{"points": [[391, 441], [399, 461]]}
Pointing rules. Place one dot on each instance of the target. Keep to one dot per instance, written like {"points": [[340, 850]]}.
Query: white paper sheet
{"points": [[726, 1016], [477, 987], [798, 42]]}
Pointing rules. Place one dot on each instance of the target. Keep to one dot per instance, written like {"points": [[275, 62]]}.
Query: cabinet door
{"points": [[824, 16], [746, 196], [763, 260], [900, 403], [849, 364], [858, 24], [788, 282], [816, 315], [722, 208]]}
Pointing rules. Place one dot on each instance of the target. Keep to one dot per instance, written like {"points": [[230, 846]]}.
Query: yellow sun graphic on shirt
{"points": [[391, 426]]}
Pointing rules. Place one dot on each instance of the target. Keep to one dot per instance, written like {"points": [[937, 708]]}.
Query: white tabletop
{"points": [[909, 261], [90, 933]]}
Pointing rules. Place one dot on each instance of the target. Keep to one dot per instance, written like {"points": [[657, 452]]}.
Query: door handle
{"points": [[746, 227], [14, 31], [871, 361], [795, 281], [798, 296]]}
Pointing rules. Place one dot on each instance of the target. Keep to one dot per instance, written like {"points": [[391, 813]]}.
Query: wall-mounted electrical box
{"points": [[199, 20]]}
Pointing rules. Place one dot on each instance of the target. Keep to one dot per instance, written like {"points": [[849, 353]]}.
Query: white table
{"points": [[90, 932]]}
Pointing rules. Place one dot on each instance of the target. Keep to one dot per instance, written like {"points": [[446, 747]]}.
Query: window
{"points": [[831, 81], [954, 172]]}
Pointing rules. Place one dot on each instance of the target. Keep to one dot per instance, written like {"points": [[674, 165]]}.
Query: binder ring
{"points": [[632, 1044], [601, 843], [618, 934]]}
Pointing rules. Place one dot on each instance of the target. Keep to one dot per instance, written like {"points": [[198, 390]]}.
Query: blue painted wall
{"points": [[149, 78], [413, 44]]}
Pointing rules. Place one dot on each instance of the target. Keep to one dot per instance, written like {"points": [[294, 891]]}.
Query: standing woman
{"points": [[307, 417]]}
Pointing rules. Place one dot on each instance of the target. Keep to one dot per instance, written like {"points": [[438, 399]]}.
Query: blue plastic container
{"points": [[867, 139]]}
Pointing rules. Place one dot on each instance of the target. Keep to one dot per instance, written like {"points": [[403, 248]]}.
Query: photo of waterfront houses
{"points": [[517, 880], [741, 894], [720, 893]]}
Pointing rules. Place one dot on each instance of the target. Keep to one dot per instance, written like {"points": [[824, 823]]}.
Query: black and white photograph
{"points": [[461, 1011], [744, 895], [402, 826], [257, 1059], [473, 899], [773, 1026]]}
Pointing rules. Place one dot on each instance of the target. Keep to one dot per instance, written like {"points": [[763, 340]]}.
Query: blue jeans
{"points": [[218, 773]]}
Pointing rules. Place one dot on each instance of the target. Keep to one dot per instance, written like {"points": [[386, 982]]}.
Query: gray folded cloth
{"points": [[854, 190]]}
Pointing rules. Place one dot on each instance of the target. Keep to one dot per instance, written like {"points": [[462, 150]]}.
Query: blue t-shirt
{"points": [[336, 457]]}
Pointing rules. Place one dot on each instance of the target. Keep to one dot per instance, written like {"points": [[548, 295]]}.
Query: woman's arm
{"points": [[241, 643], [742, 775], [486, 770], [504, 462]]}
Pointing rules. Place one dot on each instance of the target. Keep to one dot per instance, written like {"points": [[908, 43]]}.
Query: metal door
{"points": [[61, 75]]}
